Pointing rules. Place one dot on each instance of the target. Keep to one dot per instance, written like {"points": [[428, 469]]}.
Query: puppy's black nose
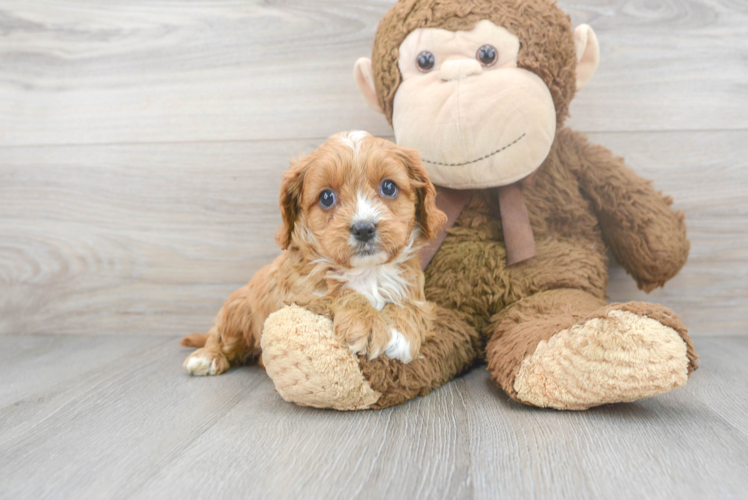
{"points": [[363, 231]]}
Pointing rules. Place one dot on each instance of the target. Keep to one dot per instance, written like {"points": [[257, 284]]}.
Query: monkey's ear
{"points": [[290, 200], [364, 76], [588, 54]]}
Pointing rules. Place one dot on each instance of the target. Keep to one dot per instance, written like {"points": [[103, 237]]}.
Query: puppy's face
{"points": [[358, 200]]}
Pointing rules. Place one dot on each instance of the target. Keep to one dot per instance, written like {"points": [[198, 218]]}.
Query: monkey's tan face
{"points": [[477, 119]]}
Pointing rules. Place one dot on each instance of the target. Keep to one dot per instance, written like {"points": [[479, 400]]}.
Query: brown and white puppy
{"points": [[355, 212]]}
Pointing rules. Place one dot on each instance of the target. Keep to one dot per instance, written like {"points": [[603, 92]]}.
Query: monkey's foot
{"points": [[618, 356]]}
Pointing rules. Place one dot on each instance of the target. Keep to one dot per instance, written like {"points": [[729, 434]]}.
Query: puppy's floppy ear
{"points": [[290, 199], [429, 218]]}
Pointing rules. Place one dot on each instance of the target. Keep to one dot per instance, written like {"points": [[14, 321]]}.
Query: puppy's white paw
{"points": [[200, 365], [205, 363], [398, 347]]}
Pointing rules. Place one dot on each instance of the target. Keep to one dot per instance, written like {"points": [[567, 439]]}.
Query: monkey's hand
{"points": [[646, 236]]}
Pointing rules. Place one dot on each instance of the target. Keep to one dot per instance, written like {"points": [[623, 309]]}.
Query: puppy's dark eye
{"points": [[389, 188], [487, 55], [327, 198], [425, 61]]}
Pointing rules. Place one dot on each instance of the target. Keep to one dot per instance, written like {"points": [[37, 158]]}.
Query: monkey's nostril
{"points": [[363, 231]]}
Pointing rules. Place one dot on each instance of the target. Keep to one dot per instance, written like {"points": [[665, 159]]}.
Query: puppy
{"points": [[355, 212]]}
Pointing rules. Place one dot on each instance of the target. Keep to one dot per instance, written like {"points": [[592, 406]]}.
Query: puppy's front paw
{"points": [[399, 347], [315, 305], [204, 362], [364, 333]]}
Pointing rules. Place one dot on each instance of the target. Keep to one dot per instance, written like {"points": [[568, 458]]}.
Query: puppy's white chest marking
{"points": [[382, 285]]}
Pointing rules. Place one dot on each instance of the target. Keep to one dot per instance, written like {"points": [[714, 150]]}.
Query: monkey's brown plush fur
{"points": [[542, 325], [605, 205]]}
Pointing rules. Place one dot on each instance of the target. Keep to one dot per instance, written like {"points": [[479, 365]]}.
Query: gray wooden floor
{"points": [[141, 148], [110, 417]]}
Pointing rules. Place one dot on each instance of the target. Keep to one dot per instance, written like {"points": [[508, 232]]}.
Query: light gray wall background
{"points": [[142, 143]]}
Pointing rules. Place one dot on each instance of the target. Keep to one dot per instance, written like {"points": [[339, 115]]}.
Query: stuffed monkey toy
{"points": [[482, 89]]}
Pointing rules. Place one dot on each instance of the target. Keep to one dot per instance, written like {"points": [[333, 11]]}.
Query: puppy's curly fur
{"points": [[355, 212]]}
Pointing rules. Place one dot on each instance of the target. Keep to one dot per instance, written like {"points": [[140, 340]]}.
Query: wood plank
{"points": [[139, 427], [35, 363], [721, 382], [670, 446], [144, 71], [418, 450], [658, 60], [103, 432], [134, 239], [151, 239], [123, 424]]}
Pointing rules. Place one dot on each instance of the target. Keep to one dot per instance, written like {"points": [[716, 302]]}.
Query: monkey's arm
{"points": [[646, 236]]}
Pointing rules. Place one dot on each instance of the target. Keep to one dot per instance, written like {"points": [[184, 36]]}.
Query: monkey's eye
{"points": [[425, 61], [327, 198], [487, 55], [389, 188]]}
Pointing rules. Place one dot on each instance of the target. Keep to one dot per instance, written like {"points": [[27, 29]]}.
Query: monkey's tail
{"points": [[194, 340]]}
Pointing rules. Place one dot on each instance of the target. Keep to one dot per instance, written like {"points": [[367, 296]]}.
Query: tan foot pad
{"points": [[309, 366], [618, 358]]}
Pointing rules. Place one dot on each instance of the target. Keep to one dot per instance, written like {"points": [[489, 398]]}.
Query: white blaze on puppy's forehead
{"points": [[367, 209], [353, 139]]}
